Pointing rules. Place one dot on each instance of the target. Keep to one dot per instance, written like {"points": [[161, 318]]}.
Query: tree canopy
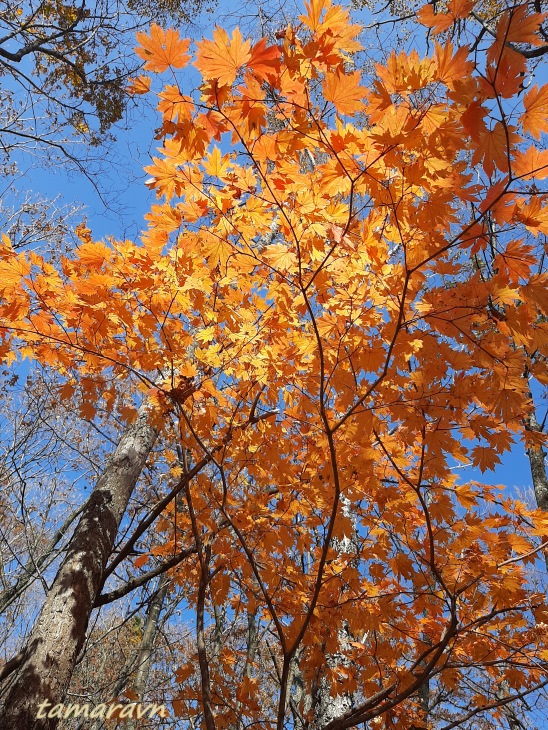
{"points": [[340, 297]]}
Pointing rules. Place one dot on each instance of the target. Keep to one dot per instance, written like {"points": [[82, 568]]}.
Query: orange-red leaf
{"points": [[264, 61]]}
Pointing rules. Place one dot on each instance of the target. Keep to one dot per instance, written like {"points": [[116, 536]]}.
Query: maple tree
{"points": [[312, 330]]}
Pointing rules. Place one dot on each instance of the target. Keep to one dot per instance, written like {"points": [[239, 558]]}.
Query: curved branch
{"points": [[140, 580]]}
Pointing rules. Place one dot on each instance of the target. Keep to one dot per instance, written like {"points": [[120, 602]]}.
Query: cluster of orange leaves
{"points": [[349, 273]]}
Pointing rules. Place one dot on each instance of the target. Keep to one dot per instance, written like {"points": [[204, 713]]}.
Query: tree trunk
{"points": [[537, 462], [329, 707], [514, 723], [60, 630], [326, 706], [538, 466], [147, 643]]}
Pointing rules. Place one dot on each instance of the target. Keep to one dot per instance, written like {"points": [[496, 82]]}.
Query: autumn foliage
{"points": [[341, 287]]}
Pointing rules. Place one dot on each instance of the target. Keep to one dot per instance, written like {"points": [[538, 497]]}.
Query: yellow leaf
{"points": [[206, 335], [215, 164], [280, 256]]}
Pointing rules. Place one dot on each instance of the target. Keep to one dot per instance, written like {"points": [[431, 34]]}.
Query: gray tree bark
{"points": [[326, 706], [147, 643], [537, 462], [538, 466], [60, 629]]}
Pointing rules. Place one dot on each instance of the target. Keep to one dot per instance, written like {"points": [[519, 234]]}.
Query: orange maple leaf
{"points": [[452, 66], [442, 21], [535, 117], [94, 255], [314, 12], [12, 271], [504, 75], [280, 256], [536, 291], [264, 62], [531, 163], [162, 49], [139, 85], [406, 72], [517, 25], [486, 458], [493, 148], [437, 21], [221, 59], [163, 177], [345, 92], [334, 34], [533, 215], [473, 120]]}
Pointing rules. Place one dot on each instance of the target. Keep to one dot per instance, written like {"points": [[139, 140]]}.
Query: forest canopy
{"points": [[338, 300]]}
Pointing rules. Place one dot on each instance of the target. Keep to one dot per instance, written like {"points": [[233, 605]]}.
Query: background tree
{"points": [[65, 66]]}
